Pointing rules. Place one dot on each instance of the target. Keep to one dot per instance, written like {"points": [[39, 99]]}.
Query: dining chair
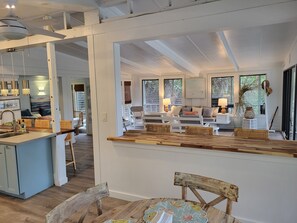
{"points": [[67, 124], [42, 123], [251, 133], [193, 182], [198, 130], [81, 203], [136, 115], [159, 128]]}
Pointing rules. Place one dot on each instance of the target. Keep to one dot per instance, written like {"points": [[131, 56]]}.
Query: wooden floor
{"points": [[34, 209]]}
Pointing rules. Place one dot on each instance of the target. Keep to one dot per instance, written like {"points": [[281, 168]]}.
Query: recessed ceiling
{"points": [[191, 54]]}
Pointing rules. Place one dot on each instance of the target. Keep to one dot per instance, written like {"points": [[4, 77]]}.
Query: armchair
{"points": [[136, 113]]}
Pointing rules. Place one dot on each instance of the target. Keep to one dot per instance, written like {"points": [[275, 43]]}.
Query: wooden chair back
{"points": [[43, 123], [66, 124], [27, 121], [223, 189], [78, 202], [199, 130], [157, 128], [251, 133]]}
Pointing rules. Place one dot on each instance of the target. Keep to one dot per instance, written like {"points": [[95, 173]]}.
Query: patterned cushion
{"points": [[207, 112]]}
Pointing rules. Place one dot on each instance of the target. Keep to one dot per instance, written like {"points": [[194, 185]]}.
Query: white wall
{"points": [[291, 58], [133, 171]]}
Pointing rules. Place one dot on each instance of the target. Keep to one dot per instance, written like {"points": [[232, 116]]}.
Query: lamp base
{"points": [[223, 110], [166, 108]]}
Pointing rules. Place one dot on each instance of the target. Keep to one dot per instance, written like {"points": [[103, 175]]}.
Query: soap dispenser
{"points": [[23, 126]]}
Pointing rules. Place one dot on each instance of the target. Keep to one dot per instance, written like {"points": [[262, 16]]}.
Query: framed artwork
{"points": [[195, 87], [12, 104]]}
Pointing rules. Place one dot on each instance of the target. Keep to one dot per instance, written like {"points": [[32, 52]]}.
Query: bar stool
{"points": [[67, 124], [42, 123]]}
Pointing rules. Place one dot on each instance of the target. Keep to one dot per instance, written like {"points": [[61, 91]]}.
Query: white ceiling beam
{"points": [[172, 55], [228, 49], [139, 67], [67, 20]]}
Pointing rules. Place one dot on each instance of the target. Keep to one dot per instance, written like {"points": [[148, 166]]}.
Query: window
{"points": [[256, 97], [150, 95], [173, 89], [222, 87], [78, 98]]}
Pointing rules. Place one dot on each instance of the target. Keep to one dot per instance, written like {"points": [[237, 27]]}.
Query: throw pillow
{"points": [[26, 112], [186, 108], [198, 110], [215, 111], [190, 113], [207, 112], [175, 110]]}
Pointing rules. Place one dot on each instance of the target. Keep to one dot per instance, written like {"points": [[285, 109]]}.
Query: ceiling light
{"points": [[12, 6]]}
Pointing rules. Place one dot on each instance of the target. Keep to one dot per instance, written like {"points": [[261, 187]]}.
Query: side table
{"points": [[249, 123]]}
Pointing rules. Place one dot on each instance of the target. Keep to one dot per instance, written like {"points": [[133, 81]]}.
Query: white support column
{"points": [[58, 143]]}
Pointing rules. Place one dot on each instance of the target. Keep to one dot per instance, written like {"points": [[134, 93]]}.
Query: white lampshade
{"points": [[223, 102], [166, 101]]}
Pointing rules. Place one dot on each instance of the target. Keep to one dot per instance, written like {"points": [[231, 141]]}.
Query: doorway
{"points": [[79, 106], [289, 120]]}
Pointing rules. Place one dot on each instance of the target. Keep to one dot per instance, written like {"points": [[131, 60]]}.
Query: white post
{"points": [[58, 143]]}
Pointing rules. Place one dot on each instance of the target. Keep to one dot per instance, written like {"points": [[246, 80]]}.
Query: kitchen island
{"points": [[26, 164], [143, 166]]}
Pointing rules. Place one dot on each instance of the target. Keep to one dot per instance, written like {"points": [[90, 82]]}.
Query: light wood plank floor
{"points": [[34, 209]]}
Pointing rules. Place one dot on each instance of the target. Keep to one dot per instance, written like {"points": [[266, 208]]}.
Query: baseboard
{"points": [[134, 197], [126, 196], [244, 220]]}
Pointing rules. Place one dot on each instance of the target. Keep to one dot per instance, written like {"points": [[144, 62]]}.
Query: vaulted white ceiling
{"points": [[254, 47]]}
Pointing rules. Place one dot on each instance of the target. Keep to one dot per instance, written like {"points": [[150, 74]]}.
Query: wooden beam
{"points": [[172, 55], [228, 49]]}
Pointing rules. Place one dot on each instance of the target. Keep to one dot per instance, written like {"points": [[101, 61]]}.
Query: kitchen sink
{"points": [[10, 134]]}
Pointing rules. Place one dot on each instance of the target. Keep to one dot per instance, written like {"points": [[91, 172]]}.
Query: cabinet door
{"points": [[3, 172], [12, 170]]}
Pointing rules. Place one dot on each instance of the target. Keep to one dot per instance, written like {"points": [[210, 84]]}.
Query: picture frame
{"points": [[11, 104]]}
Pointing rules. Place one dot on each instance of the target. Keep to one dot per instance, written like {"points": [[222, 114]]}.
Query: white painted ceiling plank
{"points": [[199, 50], [139, 66], [168, 52]]}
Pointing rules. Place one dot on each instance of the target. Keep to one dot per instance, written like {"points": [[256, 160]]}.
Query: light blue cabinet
{"points": [[26, 169], [3, 172]]}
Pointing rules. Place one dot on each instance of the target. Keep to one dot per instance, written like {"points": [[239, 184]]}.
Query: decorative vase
{"points": [[249, 113]]}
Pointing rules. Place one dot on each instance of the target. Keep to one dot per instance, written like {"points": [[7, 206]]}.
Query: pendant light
{"points": [[4, 88], [14, 84], [25, 83]]}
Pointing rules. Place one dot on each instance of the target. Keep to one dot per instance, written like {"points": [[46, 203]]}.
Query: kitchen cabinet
{"points": [[26, 168]]}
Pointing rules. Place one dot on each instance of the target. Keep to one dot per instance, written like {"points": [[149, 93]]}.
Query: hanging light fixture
{"points": [[14, 84], [4, 88], [25, 83]]}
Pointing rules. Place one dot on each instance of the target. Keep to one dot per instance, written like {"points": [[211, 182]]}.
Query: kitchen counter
{"points": [[26, 137], [220, 143]]}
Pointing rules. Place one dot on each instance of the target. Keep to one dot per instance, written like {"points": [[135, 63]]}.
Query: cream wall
{"points": [[134, 171]]}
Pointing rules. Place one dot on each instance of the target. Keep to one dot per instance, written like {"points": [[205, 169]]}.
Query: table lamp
{"points": [[166, 102], [223, 104]]}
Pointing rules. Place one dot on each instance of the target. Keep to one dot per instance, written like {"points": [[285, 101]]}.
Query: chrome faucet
{"points": [[13, 118]]}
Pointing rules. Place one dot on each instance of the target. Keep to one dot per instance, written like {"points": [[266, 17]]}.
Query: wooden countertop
{"points": [[26, 137], [215, 142]]}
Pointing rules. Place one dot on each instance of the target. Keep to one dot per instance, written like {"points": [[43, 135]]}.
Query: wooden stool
{"points": [[67, 124], [42, 123]]}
